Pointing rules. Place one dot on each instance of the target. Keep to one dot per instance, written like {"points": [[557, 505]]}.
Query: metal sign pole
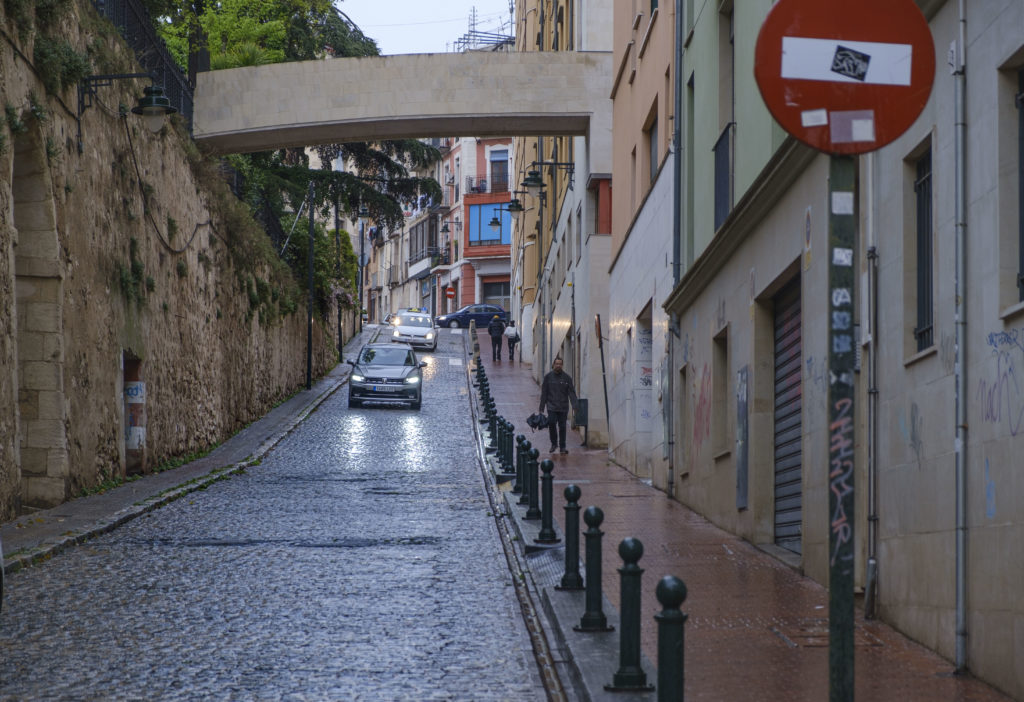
{"points": [[841, 362]]}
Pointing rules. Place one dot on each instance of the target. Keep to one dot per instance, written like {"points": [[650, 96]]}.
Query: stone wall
{"points": [[125, 267]]}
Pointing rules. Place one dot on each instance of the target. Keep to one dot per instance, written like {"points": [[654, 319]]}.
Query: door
{"points": [[788, 428]]}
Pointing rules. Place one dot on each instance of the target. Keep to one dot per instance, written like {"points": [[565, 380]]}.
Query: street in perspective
{"points": [[359, 560]]}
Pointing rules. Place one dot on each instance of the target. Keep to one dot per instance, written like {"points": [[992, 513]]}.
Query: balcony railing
{"points": [[487, 184], [427, 252]]}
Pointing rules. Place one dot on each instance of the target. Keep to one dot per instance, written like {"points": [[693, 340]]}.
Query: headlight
{"points": [[355, 377], [412, 379], [397, 333], [430, 335]]}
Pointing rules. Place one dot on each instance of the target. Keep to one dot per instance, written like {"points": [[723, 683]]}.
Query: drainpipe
{"points": [[960, 367], [677, 228], [871, 586]]}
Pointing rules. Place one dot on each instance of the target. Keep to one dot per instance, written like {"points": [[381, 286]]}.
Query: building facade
{"points": [[938, 302]]}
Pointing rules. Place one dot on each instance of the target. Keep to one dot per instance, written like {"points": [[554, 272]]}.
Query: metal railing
{"points": [[427, 252], [487, 184], [136, 27]]}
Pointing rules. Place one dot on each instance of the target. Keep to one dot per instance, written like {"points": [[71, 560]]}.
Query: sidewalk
{"points": [[757, 629], [37, 536]]}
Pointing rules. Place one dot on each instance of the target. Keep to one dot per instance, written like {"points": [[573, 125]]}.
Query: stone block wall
{"points": [[125, 261]]}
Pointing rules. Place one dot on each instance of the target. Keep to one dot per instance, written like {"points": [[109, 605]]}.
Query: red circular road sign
{"points": [[450, 292], [845, 77]]}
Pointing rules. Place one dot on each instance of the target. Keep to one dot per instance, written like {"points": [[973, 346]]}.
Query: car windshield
{"points": [[388, 357], [413, 320]]}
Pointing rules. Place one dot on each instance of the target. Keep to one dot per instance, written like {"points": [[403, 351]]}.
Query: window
{"points": [[720, 376], [723, 177], [924, 330], [1019, 101], [652, 147], [480, 217], [499, 171]]}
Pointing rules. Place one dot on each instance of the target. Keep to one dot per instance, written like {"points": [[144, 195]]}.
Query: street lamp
{"points": [[153, 105], [364, 215]]}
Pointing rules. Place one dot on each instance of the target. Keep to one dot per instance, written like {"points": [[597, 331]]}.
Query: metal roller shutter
{"points": [[788, 429]]}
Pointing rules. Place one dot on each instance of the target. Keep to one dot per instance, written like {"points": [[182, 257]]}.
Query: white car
{"points": [[415, 329]]}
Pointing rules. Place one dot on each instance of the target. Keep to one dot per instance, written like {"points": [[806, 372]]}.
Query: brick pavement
{"points": [[757, 629]]}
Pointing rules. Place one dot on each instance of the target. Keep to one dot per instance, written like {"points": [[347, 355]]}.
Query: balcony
{"points": [[421, 261], [487, 184]]}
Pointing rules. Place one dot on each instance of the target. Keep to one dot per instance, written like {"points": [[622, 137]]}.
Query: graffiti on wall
{"points": [[1000, 396], [840, 475]]}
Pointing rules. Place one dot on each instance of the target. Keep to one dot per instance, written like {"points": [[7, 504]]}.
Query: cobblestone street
{"points": [[359, 560]]}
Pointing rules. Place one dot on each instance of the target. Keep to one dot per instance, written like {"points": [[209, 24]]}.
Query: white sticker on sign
{"points": [[842, 203], [862, 129], [842, 61], [842, 257], [814, 118]]}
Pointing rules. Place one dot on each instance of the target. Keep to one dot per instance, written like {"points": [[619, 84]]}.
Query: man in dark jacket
{"points": [[496, 328], [557, 393]]}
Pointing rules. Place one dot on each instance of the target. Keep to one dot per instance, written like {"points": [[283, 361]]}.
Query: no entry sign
{"points": [[845, 77]]}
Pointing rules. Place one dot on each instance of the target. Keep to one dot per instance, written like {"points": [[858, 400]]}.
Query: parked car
{"points": [[386, 372], [481, 314], [415, 329]]}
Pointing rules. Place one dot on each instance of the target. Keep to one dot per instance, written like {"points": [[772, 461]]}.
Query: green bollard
{"points": [[524, 484], [517, 486], [547, 533], [510, 432], [630, 676], [533, 510], [572, 580], [593, 619], [671, 592]]}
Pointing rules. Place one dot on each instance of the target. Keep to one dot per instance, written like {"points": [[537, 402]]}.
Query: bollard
{"points": [[631, 675], [533, 510], [506, 446], [593, 619], [671, 592], [572, 580], [492, 417], [499, 440], [547, 533], [524, 484], [517, 486]]}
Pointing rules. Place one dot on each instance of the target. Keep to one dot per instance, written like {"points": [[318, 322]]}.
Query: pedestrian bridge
{"points": [[405, 96]]}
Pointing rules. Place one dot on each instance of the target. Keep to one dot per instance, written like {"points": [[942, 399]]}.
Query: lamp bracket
{"points": [[88, 85], [569, 166]]}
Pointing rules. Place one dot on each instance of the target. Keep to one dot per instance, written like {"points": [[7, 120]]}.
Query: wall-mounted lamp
{"points": [[153, 105], [569, 167], [533, 183]]}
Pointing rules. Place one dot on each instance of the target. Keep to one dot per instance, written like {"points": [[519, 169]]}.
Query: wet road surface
{"points": [[359, 560]]}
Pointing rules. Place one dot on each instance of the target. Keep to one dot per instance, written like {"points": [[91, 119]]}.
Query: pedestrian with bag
{"points": [[512, 335], [557, 393], [496, 329]]}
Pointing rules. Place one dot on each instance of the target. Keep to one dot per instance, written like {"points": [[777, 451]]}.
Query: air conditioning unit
{"points": [[450, 180]]}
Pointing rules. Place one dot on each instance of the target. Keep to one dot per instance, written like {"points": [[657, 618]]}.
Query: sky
{"points": [[422, 27]]}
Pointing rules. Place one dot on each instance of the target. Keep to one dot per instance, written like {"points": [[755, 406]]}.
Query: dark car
{"points": [[481, 314], [386, 372]]}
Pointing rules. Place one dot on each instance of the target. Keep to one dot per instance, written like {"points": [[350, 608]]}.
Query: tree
{"points": [[275, 183]]}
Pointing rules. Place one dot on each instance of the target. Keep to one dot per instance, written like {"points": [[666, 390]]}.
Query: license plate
{"points": [[384, 388]]}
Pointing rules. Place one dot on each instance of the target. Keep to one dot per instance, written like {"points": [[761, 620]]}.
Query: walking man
{"points": [[557, 393], [496, 329]]}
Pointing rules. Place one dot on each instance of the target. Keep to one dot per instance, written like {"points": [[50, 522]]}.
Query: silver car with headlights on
{"points": [[386, 372]]}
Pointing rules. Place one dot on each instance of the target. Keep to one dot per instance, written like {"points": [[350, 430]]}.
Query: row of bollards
{"points": [[534, 483]]}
